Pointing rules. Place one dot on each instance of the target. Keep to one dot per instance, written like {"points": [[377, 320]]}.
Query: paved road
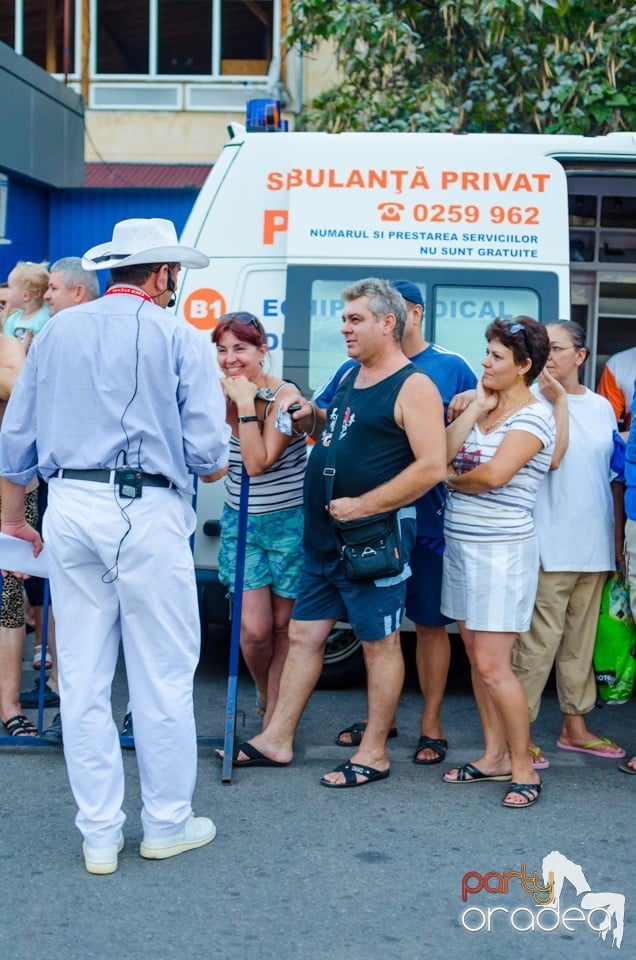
{"points": [[298, 872]]}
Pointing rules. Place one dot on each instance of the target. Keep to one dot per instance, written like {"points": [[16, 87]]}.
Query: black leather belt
{"points": [[108, 476]]}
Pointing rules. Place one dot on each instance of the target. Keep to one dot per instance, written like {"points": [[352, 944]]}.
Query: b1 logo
{"points": [[203, 308]]}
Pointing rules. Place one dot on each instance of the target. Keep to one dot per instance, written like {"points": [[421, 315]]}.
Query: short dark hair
{"points": [[527, 338], [137, 273]]}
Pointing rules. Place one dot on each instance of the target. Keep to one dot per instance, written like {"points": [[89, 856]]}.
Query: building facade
{"points": [[162, 79]]}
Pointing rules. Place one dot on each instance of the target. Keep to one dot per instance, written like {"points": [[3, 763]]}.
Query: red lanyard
{"points": [[132, 291]]}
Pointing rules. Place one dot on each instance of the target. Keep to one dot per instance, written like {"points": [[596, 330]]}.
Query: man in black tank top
{"points": [[391, 448]]}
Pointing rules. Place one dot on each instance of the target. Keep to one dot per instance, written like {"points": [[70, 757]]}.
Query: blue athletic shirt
{"points": [[624, 463]]}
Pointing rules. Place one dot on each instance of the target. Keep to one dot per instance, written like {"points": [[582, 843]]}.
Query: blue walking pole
{"points": [[42, 677], [235, 641]]}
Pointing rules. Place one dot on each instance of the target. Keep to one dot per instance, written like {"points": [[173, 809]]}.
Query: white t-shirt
{"points": [[506, 512], [574, 512]]}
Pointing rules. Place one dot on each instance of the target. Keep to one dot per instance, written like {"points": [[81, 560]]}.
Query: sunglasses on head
{"points": [[515, 327], [241, 317]]}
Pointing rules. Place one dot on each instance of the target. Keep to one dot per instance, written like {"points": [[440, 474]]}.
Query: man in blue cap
{"points": [[451, 374]]}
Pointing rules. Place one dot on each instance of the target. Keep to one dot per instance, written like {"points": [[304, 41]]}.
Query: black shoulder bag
{"points": [[370, 547]]}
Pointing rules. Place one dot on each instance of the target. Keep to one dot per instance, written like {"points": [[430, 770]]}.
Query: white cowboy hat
{"points": [[142, 241]]}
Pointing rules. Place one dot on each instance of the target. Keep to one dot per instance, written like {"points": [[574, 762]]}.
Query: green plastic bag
{"points": [[615, 647]]}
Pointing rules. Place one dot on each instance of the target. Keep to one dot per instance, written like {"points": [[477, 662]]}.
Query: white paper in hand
{"points": [[17, 556]]}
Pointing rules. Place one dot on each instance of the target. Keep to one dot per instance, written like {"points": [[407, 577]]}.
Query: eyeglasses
{"points": [[556, 349]]}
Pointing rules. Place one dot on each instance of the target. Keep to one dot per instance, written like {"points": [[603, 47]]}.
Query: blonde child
{"points": [[26, 286]]}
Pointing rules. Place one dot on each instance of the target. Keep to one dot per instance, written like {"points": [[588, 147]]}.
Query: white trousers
{"points": [[147, 600]]}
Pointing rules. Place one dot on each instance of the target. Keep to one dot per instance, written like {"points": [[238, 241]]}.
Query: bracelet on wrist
{"points": [[251, 419], [451, 477]]}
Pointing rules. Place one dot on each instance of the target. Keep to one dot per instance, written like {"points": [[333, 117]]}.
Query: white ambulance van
{"points": [[487, 225]]}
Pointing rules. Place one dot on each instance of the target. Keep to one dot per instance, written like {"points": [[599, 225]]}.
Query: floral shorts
{"points": [[273, 552]]}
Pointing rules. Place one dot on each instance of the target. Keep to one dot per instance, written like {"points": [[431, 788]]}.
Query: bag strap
{"points": [[329, 469], [268, 405]]}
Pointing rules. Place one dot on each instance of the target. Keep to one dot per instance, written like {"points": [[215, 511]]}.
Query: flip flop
{"points": [[535, 752], [528, 791], [254, 755], [356, 730], [589, 748], [350, 769], [624, 767], [469, 773], [439, 746]]}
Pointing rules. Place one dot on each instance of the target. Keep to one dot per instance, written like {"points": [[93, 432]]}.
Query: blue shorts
{"points": [[374, 608], [273, 550], [424, 586]]}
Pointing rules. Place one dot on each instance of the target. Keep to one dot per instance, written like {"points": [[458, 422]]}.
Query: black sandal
{"points": [[19, 726], [349, 770], [529, 792], [429, 743], [356, 731]]}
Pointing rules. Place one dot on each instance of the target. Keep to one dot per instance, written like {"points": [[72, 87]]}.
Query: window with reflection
{"points": [[462, 314], [40, 32], [246, 36], [326, 344], [7, 24], [122, 36], [147, 37], [184, 50]]}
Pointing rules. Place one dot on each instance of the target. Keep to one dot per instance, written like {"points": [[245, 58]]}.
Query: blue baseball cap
{"points": [[410, 291]]}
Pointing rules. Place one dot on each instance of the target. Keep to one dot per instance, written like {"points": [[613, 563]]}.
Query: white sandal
{"points": [[37, 658]]}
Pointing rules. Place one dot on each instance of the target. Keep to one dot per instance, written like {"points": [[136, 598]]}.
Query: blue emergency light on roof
{"points": [[264, 116]]}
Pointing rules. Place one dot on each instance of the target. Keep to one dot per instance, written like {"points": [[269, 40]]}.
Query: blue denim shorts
{"points": [[273, 550], [374, 608]]}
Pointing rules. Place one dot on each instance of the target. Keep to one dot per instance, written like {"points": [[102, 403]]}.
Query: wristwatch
{"points": [[252, 419]]}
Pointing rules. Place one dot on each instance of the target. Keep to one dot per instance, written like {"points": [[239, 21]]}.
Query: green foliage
{"points": [[523, 66]]}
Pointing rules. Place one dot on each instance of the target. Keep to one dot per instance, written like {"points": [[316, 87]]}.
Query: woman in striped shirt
{"points": [[500, 448], [275, 462]]}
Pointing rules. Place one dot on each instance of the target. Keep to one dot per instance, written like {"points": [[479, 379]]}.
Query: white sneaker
{"points": [[102, 859], [196, 833]]}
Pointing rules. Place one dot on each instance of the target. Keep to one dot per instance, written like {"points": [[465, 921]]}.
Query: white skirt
{"points": [[490, 585]]}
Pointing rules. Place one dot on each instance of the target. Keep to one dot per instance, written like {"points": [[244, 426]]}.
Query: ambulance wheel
{"points": [[343, 664]]}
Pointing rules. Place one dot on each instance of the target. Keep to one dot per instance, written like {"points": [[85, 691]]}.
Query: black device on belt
{"points": [[129, 480]]}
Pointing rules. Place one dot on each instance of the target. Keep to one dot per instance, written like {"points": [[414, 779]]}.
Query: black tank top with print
{"points": [[371, 449]]}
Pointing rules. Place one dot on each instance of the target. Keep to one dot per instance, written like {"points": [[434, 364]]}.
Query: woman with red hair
{"points": [[275, 462]]}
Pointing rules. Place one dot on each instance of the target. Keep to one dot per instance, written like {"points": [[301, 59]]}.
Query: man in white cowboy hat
{"points": [[117, 401]]}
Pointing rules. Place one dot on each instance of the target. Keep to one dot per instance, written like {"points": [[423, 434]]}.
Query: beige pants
{"points": [[563, 630], [630, 554]]}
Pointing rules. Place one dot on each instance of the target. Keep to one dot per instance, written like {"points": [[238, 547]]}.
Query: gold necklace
{"points": [[505, 416]]}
